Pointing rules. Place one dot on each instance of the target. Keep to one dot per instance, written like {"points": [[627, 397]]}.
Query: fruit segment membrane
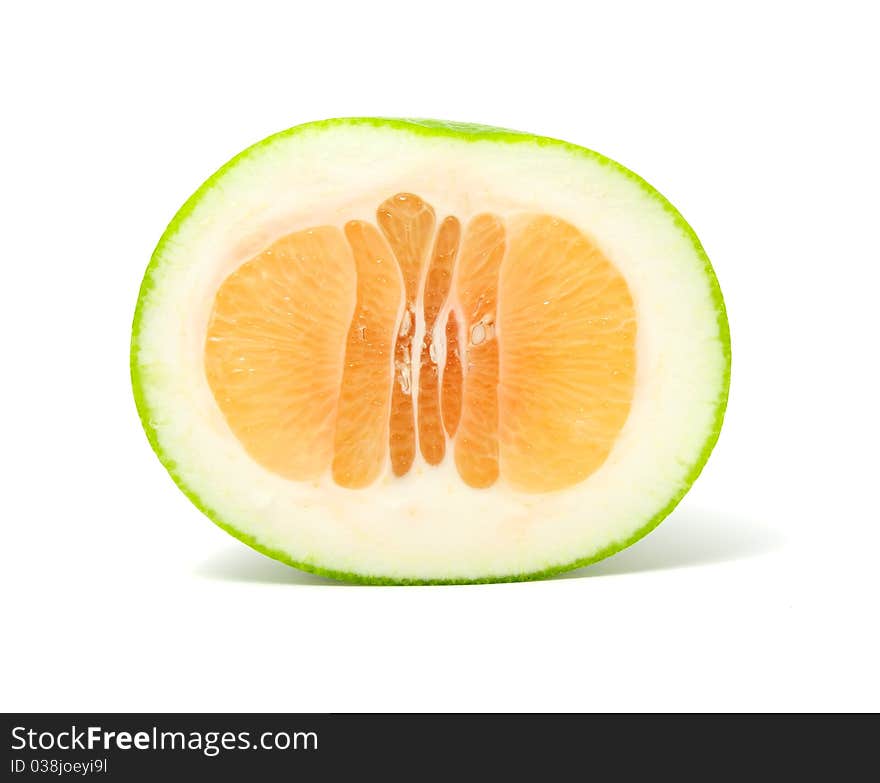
{"points": [[506, 343]]}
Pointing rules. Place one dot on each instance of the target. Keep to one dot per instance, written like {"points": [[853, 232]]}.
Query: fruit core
{"points": [[507, 344]]}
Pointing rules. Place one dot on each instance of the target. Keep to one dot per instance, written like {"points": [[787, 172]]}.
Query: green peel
{"points": [[466, 132]]}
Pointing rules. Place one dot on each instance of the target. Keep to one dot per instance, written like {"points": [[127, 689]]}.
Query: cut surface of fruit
{"points": [[365, 399], [488, 356], [476, 441], [544, 422], [408, 224], [568, 354], [273, 354], [432, 439]]}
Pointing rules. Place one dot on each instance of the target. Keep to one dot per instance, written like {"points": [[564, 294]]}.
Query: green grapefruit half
{"points": [[413, 351]]}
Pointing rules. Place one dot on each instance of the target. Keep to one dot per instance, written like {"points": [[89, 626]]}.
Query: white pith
{"points": [[429, 525]]}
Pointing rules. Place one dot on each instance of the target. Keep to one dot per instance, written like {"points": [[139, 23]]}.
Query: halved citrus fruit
{"points": [[416, 351]]}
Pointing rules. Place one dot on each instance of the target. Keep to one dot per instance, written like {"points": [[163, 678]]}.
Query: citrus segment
{"points": [[361, 442], [476, 282], [452, 378], [408, 224], [274, 349], [567, 355], [432, 440]]}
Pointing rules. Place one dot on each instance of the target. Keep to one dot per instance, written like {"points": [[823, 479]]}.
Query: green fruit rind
{"points": [[467, 132]]}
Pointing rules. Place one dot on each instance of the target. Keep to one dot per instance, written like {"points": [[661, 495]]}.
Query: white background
{"points": [[760, 592]]}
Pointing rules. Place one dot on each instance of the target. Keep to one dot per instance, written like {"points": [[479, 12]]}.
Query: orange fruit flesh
{"points": [[275, 348], [432, 439], [568, 354], [476, 442], [450, 398], [526, 360], [408, 224], [365, 395]]}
